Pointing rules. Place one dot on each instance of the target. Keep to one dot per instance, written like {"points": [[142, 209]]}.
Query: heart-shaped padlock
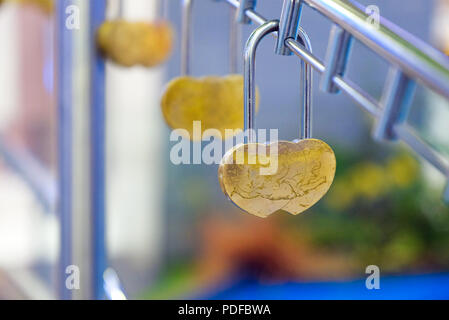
{"points": [[290, 176], [136, 43], [214, 100], [46, 6]]}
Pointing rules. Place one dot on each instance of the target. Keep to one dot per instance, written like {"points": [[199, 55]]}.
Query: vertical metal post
{"points": [[306, 88], [235, 40], [186, 36], [64, 76], [288, 25], [337, 56], [446, 194], [244, 6], [81, 193], [97, 17], [398, 95]]}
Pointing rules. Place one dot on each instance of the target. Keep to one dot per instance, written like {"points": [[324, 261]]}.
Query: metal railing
{"points": [[411, 60]]}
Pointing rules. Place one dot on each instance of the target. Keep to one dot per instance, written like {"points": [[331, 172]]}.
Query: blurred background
{"points": [[170, 231]]}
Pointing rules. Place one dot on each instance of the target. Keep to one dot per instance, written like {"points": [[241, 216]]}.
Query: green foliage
{"points": [[381, 212]]}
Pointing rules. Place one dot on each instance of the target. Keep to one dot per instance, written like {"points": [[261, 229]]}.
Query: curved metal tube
{"points": [[249, 72], [250, 84], [186, 36], [307, 84], [235, 41]]}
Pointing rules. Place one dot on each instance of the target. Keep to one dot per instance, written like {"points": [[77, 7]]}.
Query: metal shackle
{"points": [[250, 76]]}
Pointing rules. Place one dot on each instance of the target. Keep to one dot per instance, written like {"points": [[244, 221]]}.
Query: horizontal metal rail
{"points": [[412, 56]]}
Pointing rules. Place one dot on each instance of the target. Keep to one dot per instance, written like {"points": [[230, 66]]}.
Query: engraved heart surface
{"points": [[288, 176], [136, 43], [215, 101]]}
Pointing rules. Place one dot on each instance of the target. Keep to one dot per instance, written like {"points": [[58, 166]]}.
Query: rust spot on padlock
{"points": [[136, 43]]}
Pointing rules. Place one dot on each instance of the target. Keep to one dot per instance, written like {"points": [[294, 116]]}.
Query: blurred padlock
{"points": [[46, 6], [215, 101], [136, 43]]}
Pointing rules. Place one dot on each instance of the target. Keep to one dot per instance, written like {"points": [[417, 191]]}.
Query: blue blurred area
{"points": [[432, 286]]}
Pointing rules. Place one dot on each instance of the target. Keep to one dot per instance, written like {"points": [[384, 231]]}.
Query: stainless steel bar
{"points": [[98, 151], [83, 217], [396, 102], [250, 13], [65, 150], [415, 57], [308, 57], [373, 107], [255, 17], [370, 105], [243, 6], [348, 87], [235, 41], [363, 99], [428, 61], [288, 25], [408, 135], [306, 86], [337, 56], [234, 3], [186, 36]]}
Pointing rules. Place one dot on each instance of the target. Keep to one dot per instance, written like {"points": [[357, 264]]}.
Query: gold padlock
{"points": [[136, 43], [46, 6], [262, 179], [214, 100]]}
